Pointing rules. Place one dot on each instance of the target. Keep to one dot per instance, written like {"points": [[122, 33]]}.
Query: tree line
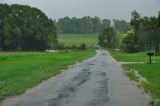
{"points": [[88, 24], [25, 28], [143, 35]]}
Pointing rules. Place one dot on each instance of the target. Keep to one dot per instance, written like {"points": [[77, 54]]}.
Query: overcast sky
{"points": [[110, 9]]}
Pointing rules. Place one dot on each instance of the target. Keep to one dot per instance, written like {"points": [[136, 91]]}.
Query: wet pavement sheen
{"points": [[98, 81]]}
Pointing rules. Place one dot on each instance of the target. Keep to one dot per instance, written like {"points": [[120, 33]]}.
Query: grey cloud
{"points": [[111, 9]]}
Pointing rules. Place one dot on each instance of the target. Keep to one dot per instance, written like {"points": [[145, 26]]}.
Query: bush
{"points": [[73, 47], [82, 46], [61, 46]]}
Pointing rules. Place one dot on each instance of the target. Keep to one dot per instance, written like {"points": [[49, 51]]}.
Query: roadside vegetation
{"points": [[150, 72], [22, 70], [133, 57]]}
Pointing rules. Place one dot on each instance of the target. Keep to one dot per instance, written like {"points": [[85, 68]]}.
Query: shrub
{"points": [[82, 46], [61, 46]]}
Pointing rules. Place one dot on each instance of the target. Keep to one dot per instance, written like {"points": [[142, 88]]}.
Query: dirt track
{"points": [[98, 81]]}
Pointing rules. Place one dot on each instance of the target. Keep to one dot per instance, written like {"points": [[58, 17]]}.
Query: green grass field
{"points": [[22, 70], [149, 71], [77, 39], [133, 57], [152, 74]]}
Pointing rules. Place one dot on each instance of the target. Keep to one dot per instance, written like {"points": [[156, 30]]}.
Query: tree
{"points": [[128, 43], [83, 25], [96, 23], [108, 38], [135, 23], [150, 27], [24, 27], [121, 25]]}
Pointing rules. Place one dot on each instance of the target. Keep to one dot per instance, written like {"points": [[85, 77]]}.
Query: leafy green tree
{"points": [[151, 37], [106, 23], [136, 24], [96, 23], [108, 38], [135, 20], [121, 25], [128, 43], [26, 28]]}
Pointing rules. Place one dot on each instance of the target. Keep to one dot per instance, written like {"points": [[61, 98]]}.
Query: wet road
{"points": [[98, 81]]}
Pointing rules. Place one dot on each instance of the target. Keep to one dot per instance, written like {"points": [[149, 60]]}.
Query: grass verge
{"points": [[151, 72], [132, 57], [22, 70]]}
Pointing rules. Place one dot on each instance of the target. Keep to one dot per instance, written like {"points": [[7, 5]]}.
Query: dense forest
{"points": [[88, 24], [143, 36], [25, 28]]}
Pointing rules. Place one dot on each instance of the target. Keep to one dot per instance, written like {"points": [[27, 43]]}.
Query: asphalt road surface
{"points": [[98, 81]]}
